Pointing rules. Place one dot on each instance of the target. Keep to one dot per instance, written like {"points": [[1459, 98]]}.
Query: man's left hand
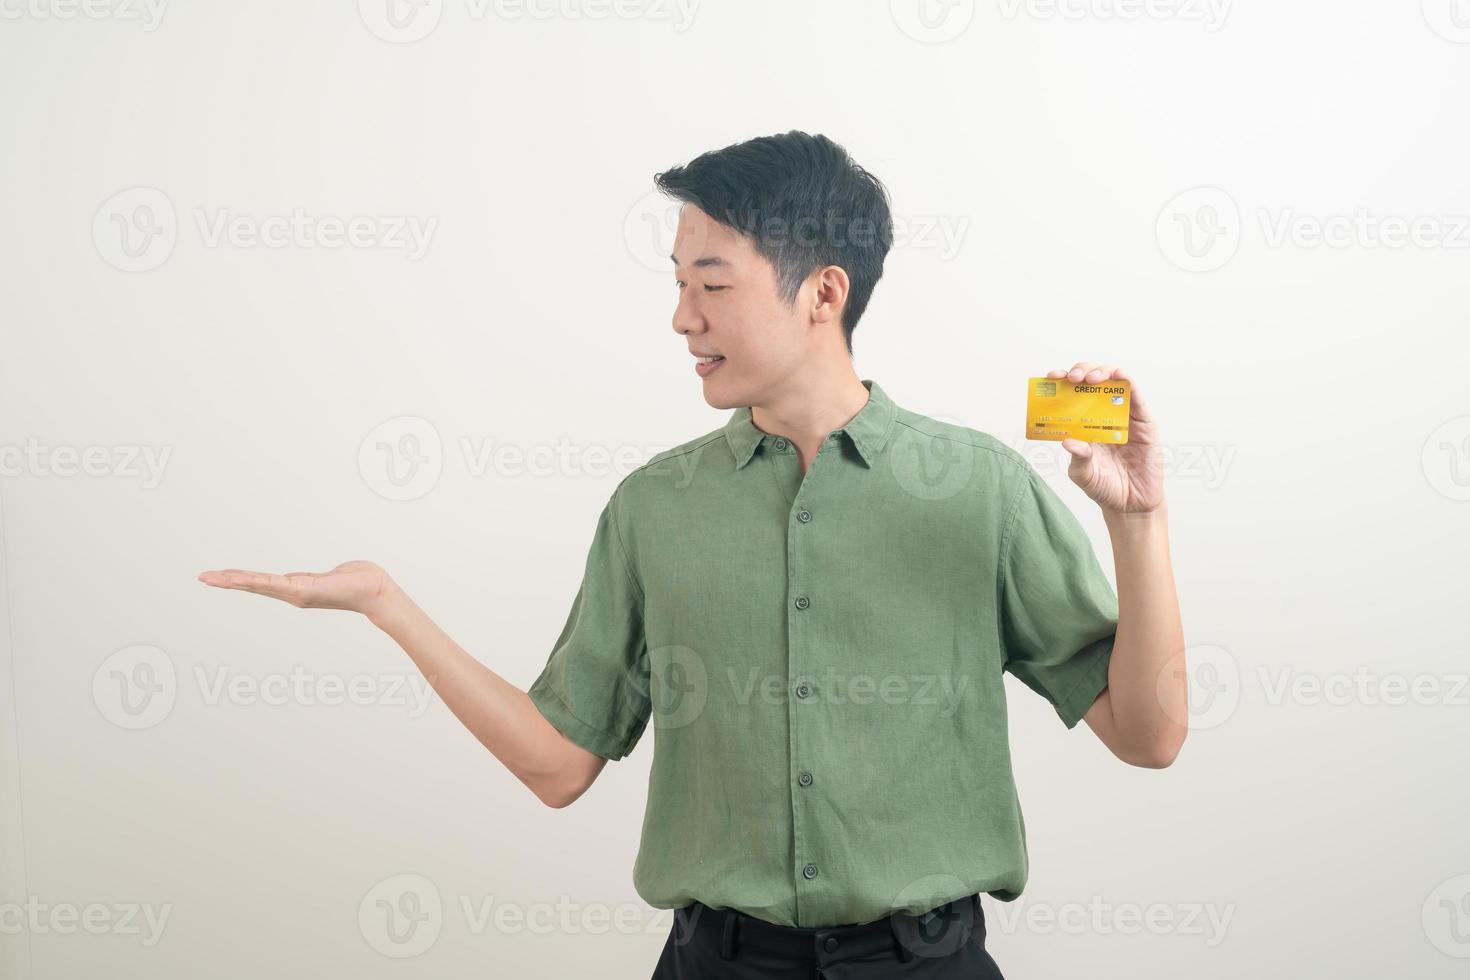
{"points": [[1122, 479]]}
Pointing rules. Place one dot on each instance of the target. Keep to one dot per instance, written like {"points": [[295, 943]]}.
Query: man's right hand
{"points": [[499, 714], [357, 586]]}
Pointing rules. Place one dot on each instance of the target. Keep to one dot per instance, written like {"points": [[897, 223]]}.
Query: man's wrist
{"points": [[388, 606], [1137, 522]]}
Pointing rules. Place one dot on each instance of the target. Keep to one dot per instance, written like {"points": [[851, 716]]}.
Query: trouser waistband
{"points": [[938, 932]]}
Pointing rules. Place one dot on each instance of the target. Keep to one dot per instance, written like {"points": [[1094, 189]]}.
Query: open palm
{"points": [[1127, 478], [355, 585]]}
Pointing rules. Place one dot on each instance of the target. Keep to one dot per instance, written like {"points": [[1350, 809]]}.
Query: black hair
{"points": [[805, 204]]}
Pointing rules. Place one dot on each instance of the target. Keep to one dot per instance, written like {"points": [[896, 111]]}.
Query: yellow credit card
{"points": [[1058, 409]]}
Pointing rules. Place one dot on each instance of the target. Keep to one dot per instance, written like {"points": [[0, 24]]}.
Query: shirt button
{"points": [[810, 871], [802, 602], [803, 516], [802, 690], [831, 944], [780, 445], [805, 779]]}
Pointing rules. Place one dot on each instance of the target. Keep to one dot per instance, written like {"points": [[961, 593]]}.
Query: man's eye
{"points": [[710, 289]]}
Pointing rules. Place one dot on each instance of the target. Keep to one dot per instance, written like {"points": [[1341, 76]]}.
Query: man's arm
{"points": [[1140, 716], [496, 712], [499, 714]]}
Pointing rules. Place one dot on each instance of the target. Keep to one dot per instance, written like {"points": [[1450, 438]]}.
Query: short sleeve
{"points": [[594, 687], [1058, 612]]}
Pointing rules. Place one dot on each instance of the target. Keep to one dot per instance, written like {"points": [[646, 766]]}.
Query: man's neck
{"points": [[810, 409]]}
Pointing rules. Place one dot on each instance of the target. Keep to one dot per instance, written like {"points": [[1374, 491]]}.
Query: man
{"points": [[814, 604]]}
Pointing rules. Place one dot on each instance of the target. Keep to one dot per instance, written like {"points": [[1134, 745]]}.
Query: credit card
{"points": [[1058, 409]]}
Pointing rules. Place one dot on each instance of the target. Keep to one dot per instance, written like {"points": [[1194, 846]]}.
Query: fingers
{"points": [[261, 583], [1088, 371], [1136, 407], [1092, 372], [1079, 449]]}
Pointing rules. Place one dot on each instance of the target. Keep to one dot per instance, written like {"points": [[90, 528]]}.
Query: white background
{"points": [[1096, 180]]}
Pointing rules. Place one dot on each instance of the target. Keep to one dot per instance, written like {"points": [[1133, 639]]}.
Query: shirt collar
{"points": [[868, 429]]}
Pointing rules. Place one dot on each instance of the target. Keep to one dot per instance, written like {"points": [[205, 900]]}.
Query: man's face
{"points": [[728, 305]]}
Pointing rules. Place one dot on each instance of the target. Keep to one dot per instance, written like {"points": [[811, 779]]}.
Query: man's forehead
{"points": [[705, 261], [704, 243]]}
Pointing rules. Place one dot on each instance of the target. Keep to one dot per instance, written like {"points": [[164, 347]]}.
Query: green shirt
{"points": [[821, 655]]}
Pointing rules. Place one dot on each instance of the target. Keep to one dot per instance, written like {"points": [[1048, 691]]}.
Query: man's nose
{"points": [[687, 318]]}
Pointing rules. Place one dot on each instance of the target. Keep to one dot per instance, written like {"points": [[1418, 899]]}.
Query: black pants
{"points": [[721, 944]]}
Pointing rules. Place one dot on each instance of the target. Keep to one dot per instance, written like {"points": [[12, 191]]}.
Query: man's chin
{"points": [[717, 395]]}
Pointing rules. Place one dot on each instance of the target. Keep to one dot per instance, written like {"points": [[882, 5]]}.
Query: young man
{"points": [[814, 604]]}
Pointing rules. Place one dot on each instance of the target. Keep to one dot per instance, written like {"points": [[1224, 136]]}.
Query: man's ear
{"points": [[829, 294]]}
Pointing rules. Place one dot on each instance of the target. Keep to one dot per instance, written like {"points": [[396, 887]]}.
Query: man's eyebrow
{"points": [[707, 262]]}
